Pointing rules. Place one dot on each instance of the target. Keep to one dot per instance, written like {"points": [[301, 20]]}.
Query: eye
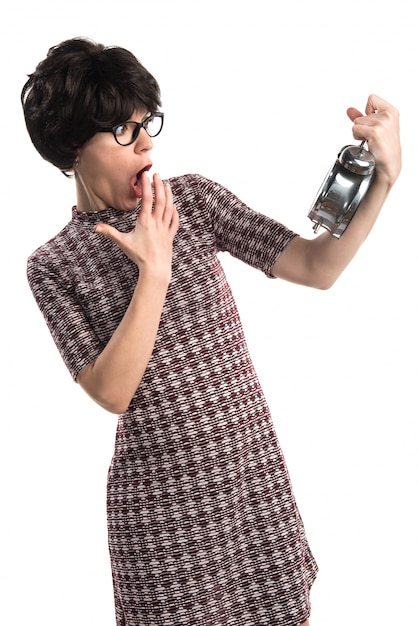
{"points": [[121, 130], [148, 121]]}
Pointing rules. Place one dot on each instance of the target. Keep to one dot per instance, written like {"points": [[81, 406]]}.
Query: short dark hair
{"points": [[79, 87]]}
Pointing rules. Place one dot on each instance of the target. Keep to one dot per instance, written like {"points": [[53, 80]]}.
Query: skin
{"points": [[103, 179]]}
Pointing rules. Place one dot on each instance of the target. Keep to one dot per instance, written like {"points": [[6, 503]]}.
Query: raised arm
{"points": [[112, 379], [319, 262]]}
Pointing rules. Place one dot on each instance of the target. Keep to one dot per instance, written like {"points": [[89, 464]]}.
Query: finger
{"points": [[169, 208], [147, 200], [175, 222], [360, 121], [357, 118], [159, 196], [376, 104]]}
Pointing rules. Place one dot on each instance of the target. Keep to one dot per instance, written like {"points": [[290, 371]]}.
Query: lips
{"points": [[136, 184]]}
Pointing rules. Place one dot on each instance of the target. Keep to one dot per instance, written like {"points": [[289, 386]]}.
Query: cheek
{"points": [[103, 170], [98, 157], [117, 181], [105, 176]]}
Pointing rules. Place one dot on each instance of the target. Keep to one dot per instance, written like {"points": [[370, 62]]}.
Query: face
{"points": [[107, 174]]}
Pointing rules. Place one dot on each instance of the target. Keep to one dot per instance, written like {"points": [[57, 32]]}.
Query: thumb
{"points": [[108, 231], [354, 113], [120, 239]]}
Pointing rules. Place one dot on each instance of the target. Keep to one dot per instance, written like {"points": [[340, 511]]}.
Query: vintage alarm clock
{"points": [[343, 189]]}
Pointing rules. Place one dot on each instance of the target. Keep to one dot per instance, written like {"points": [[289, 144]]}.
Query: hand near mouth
{"points": [[150, 243]]}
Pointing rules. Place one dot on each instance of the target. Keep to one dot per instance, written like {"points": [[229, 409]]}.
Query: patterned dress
{"points": [[203, 525]]}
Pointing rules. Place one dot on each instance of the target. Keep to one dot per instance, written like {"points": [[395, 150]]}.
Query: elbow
{"points": [[320, 280], [324, 278], [112, 403], [324, 284], [108, 396], [117, 408]]}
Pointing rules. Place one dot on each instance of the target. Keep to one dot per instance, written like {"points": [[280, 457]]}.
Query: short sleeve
{"points": [[252, 237], [73, 335]]}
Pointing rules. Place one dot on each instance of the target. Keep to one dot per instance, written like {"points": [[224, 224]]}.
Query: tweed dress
{"points": [[203, 526]]}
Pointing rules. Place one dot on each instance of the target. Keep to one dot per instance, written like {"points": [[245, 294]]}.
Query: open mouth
{"points": [[136, 184]]}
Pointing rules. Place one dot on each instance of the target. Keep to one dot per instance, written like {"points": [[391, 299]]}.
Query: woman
{"points": [[203, 526]]}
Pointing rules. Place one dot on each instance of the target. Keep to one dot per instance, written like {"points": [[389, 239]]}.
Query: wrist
{"points": [[155, 276]]}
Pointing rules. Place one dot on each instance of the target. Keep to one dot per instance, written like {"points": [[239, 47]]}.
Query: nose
{"points": [[143, 142]]}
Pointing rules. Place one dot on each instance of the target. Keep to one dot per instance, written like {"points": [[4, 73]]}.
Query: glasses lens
{"points": [[125, 133], [128, 132], [153, 125]]}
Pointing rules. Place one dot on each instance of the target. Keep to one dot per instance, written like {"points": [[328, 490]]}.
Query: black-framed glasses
{"points": [[127, 132]]}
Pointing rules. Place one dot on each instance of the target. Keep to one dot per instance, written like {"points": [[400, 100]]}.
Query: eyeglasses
{"points": [[127, 133]]}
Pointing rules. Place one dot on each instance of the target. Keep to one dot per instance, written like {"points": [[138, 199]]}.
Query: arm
{"points": [[319, 262], [113, 378]]}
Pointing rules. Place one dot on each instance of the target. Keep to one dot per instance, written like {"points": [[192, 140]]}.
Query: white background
{"points": [[255, 96]]}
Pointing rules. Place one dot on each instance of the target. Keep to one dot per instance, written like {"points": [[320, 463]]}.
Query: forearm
{"points": [[113, 378]]}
